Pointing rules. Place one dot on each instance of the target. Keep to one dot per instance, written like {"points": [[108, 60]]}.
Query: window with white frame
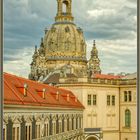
{"points": [[111, 100]]}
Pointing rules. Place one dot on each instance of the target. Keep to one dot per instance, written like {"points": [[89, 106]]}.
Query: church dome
{"points": [[64, 41]]}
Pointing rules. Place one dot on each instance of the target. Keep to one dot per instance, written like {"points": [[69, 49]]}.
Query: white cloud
{"points": [[101, 12]]}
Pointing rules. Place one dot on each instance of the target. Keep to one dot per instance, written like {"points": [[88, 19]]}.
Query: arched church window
{"points": [[65, 7], [127, 118]]}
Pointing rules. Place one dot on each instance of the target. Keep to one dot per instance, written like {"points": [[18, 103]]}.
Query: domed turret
{"points": [[62, 44], [65, 42]]}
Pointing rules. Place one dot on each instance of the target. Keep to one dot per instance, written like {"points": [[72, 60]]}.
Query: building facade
{"points": [[34, 111], [110, 107], [109, 101]]}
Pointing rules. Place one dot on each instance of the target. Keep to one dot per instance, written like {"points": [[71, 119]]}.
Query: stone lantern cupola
{"points": [[64, 11]]}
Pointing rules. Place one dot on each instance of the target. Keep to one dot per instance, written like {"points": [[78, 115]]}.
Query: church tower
{"points": [[63, 46], [94, 62]]}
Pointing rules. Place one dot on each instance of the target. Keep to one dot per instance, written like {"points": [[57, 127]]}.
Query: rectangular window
{"points": [[129, 96], [89, 99], [125, 96], [113, 100], [94, 99], [108, 100]]}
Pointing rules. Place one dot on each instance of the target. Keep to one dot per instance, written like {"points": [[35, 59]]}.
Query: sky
{"points": [[112, 23]]}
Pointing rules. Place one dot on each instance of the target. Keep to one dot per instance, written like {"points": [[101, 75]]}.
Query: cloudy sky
{"points": [[112, 23]]}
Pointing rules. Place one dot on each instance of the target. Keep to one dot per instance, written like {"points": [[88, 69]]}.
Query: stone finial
{"points": [[41, 39], [94, 43], [35, 48]]}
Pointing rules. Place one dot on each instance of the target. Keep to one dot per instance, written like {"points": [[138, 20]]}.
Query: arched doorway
{"points": [[92, 138]]}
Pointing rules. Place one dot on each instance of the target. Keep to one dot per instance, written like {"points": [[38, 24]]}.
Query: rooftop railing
{"points": [[100, 81]]}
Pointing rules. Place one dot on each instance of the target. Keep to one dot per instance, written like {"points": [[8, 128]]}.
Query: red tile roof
{"points": [[105, 76], [13, 94]]}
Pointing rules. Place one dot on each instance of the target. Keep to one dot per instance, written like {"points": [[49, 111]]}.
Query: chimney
{"points": [[57, 95], [43, 93], [68, 97], [25, 89]]}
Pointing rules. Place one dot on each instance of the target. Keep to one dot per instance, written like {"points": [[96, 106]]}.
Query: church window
{"points": [[94, 99], [113, 100], [89, 99], [127, 118], [108, 100]]}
